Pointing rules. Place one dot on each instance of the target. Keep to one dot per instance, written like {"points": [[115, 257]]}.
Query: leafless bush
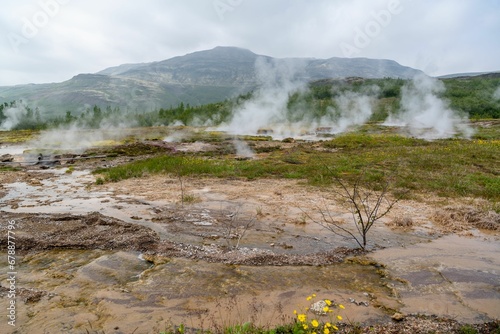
{"points": [[235, 227], [366, 205]]}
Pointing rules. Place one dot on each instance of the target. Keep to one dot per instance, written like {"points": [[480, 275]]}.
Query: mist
{"points": [[16, 114], [496, 94], [76, 136], [353, 109], [13, 117], [424, 114], [267, 109]]}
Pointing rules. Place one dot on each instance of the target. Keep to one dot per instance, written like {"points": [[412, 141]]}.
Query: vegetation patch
{"points": [[463, 217], [447, 168]]}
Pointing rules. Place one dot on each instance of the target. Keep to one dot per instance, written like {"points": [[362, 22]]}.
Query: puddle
{"points": [[69, 193], [452, 276], [110, 290]]}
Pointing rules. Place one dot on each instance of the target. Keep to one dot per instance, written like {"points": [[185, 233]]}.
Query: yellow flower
{"points": [[341, 306], [294, 311], [325, 309], [309, 298], [314, 323], [328, 302], [304, 326], [314, 295], [339, 317], [326, 331], [301, 317], [328, 325], [335, 327]]}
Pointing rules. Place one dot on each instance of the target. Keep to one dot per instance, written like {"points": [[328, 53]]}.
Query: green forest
{"points": [[475, 97]]}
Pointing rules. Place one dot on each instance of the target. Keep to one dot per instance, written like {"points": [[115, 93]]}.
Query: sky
{"points": [[46, 41]]}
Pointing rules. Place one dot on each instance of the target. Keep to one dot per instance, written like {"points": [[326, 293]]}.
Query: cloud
{"points": [[87, 36]]}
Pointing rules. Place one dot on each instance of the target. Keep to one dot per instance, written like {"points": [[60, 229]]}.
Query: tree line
{"points": [[476, 97]]}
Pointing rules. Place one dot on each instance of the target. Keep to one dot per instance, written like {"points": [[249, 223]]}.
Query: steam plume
{"points": [[268, 107], [354, 108], [425, 114]]}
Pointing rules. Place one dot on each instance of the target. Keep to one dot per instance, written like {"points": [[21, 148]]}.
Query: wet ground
{"points": [[130, 256]]}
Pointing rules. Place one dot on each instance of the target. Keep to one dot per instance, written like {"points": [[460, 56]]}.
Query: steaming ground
{"points": [[423, 114]]}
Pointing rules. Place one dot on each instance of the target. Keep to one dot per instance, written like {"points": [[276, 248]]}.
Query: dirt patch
{"points": [[93, 231]]}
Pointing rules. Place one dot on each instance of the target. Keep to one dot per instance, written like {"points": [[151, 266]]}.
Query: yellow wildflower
{"points": [[328, 302], [326, 331], [309, 298], [314, 295], [341, 306], [339, 317], [301, 317], [294, 311], [328, 325], [314, 323], [335, 327], [325, 309], [304, 326]]}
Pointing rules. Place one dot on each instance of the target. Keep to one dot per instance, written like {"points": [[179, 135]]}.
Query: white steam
{"points": [[496, 94], [425, 114], [13, 115], [278, 79], [76, 140], [75, 137], [353, 108], [242, 149]]}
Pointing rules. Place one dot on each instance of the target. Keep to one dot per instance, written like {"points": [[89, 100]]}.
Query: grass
{"points": [[17, 136], [447, 168], [9, 169]]}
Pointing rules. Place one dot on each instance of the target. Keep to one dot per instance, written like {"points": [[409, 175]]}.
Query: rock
{"points": [[318, 307], [6, 158], [398, 316]]}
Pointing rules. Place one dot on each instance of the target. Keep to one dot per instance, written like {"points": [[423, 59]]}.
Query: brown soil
{"points": [[95, 231]]}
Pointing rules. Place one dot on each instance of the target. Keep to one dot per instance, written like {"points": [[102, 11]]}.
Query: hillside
{"points": [[196, 78]]}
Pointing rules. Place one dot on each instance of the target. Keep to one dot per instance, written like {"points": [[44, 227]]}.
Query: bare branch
{"points": [[366, 206]]}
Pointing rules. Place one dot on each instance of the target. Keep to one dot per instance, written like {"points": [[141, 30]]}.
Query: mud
{"points": [[132, 257]]}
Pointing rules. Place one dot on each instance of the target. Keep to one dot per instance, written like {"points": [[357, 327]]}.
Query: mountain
{"points": [[470, 74], [196, 78]]}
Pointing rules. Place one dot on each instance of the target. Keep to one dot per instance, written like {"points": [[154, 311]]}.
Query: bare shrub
{"points": [[235, 227], [463, 217], [368, 200]]}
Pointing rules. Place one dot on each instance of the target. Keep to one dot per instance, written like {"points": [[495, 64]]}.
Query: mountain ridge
{"points": [[197, 78]]}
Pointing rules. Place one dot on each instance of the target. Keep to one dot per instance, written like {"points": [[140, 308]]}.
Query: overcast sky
{"points": [[53, 40]]}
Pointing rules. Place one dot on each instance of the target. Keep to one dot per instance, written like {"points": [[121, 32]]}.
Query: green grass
{"points": [[448, 168], [17, 136], [9, 169]]}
